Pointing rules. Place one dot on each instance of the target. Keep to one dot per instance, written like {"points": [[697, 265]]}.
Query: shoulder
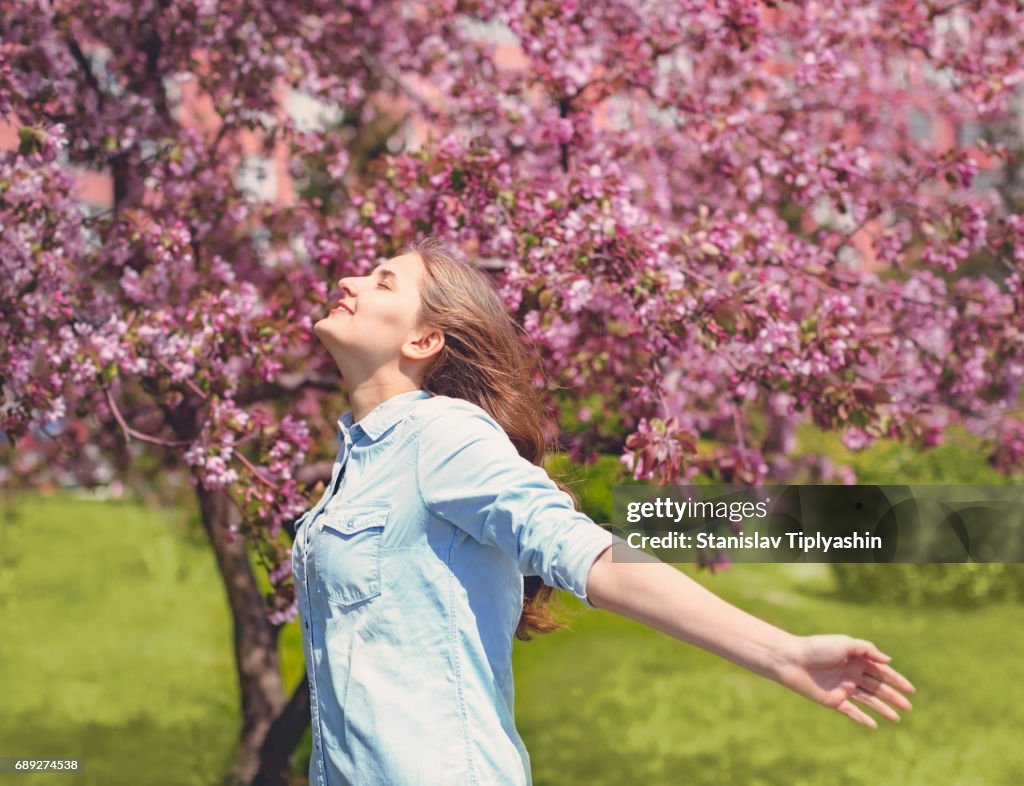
{"points": [[446, 407], [453, 417]]}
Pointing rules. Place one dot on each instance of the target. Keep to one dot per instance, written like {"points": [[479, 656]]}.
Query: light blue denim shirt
{"points": [[409, 573]]}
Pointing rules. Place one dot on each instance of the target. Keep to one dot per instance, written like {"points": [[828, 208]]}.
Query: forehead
{"points": [[407, 267]]}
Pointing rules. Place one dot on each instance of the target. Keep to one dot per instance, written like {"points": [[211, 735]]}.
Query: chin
{"points": [[326, 330], [322, 328]]}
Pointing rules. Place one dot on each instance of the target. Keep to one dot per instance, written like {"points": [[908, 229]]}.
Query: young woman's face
{"points": [[375, 315]]}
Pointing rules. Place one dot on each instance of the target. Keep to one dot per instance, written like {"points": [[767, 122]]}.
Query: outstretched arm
{"points": [[833, 670]]}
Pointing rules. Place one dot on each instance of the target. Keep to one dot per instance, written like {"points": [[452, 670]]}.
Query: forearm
{"points": [[658, 595]]}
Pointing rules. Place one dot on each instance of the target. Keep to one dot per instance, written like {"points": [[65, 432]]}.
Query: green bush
{"points": [[960, 584], [960, 460], [592, 484]]}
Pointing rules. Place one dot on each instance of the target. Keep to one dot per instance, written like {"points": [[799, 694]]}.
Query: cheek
{"points": [[399, 317]]}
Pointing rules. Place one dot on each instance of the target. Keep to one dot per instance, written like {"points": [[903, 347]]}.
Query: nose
{"points": [[347, 286]]}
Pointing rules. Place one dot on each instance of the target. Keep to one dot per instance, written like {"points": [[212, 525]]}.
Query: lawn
{"points": [[611, 702], [116, 648], [116, 645]]}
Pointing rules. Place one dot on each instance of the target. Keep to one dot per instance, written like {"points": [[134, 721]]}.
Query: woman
{"points": [[410, 570]]}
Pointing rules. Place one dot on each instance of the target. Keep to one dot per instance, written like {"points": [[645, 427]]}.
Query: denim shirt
{"points": [[409, 574]]}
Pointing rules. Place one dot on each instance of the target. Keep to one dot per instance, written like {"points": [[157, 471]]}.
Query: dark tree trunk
{"points": [[283, 738], [129, 186], [780, 434], [255, 638]]}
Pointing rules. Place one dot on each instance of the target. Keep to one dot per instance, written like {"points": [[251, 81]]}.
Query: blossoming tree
{"points": [[714, 220]]}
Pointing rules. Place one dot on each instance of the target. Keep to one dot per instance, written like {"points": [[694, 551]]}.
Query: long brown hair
{"points": [[485, 361]]}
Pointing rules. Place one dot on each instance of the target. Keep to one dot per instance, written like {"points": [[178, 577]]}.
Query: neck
{"points": [[368, 395]]}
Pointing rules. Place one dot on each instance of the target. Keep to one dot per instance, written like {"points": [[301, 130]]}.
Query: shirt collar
{"points": [[380, 418]]}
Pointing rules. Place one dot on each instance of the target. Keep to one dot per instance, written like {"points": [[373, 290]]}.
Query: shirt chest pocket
{"points": [[348, 553]]}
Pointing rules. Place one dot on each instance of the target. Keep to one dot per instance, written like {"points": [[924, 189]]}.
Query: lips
{"points": [[342, 307]]}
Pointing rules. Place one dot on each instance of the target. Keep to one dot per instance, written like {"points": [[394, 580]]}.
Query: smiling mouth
{"points": [[342, 308]]}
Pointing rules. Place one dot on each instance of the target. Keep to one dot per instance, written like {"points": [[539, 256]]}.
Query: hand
{"points": [[837, 670]]}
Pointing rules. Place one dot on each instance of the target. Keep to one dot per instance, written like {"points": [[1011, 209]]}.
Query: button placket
{"points": [[316, 519]]}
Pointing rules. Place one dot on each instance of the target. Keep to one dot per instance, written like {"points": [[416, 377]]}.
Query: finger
{"points": [[869, 650], [889, 675], [876, 704], [857, 715], [876, 687]]}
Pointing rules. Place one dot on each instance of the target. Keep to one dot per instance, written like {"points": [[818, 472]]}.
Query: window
{"points": [[257, 178], [920, 125]]}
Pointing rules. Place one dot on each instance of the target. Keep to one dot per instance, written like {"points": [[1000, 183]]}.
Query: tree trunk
{"points": [[282, 739], [255, 639], [780, 436]]}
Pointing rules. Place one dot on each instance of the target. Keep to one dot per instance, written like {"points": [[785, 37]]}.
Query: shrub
{"points": [[954, 584]]}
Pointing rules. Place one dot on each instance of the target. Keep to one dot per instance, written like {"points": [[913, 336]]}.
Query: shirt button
{"points": [[307, 626]]}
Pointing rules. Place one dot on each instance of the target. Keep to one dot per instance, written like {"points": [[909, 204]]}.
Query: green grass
{"points": [[115, 647], [611, 702]]}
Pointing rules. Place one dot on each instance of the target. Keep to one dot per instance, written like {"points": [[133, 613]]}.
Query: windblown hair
{"points": [[484, 361]]}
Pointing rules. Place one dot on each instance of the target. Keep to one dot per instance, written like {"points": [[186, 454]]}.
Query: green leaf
{"points": [[31, 140]]}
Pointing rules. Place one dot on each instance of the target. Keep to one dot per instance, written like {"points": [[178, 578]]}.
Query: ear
{"points": [[424, 344]]}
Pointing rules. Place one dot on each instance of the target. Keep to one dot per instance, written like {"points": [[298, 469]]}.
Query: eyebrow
{"points": [[385, 273]]}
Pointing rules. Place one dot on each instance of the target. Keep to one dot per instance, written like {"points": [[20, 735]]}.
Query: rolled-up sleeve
{"points": [[471, 475]]}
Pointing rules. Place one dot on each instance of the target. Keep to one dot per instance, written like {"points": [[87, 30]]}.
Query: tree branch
{"points": [[129, 432], [309, 474], [83, 63]]}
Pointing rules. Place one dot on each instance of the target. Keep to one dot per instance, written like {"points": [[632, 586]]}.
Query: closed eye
{"points": [[383, 274]]}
